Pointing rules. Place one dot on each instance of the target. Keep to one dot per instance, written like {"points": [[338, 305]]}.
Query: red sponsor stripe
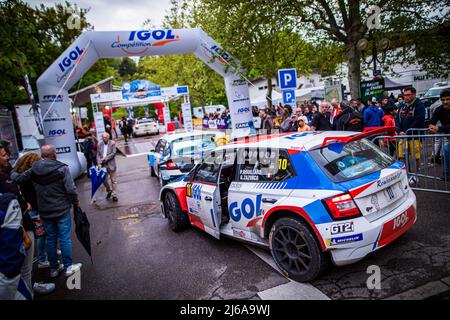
{"points": [[262, 138], [181, 195], [359, 190], [163, 42], [391, 231], [301, 213], [196, 221]]}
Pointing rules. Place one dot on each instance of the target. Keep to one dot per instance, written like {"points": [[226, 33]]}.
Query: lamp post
{"points": [[382, 45]]}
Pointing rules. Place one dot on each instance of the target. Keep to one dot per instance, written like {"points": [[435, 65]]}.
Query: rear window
{"points": [[352, 160], [145, 121]]}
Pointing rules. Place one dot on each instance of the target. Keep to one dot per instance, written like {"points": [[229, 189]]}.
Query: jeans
{"points": [[59, 229]]}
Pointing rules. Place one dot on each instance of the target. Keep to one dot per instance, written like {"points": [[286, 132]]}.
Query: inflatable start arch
{"points": [[54, 83]]}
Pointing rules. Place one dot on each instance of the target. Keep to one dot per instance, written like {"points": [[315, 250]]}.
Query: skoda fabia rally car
{"points": [[307, 196]]}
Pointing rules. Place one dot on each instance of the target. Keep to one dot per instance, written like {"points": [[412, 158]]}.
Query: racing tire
{"points": [[296, 251], [178, 220]]}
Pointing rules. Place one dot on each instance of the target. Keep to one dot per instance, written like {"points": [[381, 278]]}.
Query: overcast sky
{"points": [[111, 15]]}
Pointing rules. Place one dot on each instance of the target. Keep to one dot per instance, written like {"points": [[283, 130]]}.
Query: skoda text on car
{"points": [[145, 126], [175, 154], [306, 196]]}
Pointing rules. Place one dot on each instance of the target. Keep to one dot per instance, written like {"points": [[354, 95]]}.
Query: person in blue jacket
{"points": [[373, 115]]}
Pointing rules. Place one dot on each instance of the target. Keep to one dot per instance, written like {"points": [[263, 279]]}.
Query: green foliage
{"points": [[32, 38]]}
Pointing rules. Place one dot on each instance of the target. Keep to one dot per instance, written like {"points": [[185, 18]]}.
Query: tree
{"points": [[127, 68], [347, 22], [205, 85], [261, 37], [32, 40]]}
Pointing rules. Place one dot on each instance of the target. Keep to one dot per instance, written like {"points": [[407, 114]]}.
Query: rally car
{"points": [[307, 196], [175, 154]]}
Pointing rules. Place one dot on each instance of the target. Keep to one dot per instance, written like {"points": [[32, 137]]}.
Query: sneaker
{"points": [[55, 273], [43, 288], [73, 269], [109, 195], [43, 265], [115, 199]]}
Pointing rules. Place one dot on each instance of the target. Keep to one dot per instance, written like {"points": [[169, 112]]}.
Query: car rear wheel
{"points": [[296, 251], [178, 220]]}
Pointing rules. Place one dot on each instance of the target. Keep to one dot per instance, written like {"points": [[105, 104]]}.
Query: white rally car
{"points": [[307, 196]]}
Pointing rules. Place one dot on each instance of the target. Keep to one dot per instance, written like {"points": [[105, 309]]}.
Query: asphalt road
{"points": [[137, 256]]}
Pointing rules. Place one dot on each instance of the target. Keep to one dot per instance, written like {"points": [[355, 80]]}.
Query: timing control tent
{"points": [[54, 83]]}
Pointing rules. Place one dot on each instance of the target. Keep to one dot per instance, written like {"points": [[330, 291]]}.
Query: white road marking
{"points": [[289, 291]]}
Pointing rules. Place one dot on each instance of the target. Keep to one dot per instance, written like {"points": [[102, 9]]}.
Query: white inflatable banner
{"points": [[54, 83]]}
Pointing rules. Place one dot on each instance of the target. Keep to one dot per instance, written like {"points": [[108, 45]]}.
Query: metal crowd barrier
{"points": [[426, 155]]}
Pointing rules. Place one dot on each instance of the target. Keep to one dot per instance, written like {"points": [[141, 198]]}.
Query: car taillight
{"points": [[171, 165], [342, 206]]}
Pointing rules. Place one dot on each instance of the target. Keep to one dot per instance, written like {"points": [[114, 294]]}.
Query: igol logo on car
{"points": [[56, 133], [53, 98], [137, 41], [248, 208], [69, 62]]}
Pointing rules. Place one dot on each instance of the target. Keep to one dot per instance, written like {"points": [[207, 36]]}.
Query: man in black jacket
{"points": [[56, 194], [349, 119]]}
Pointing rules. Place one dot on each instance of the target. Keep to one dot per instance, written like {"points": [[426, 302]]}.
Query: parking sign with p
{"points": [[288, 96], [287, 78]]}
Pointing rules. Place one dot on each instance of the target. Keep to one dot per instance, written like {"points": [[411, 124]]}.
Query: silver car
{"points": [[176, 154]]}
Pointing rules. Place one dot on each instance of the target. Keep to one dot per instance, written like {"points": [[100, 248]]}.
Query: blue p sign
{"points": [[287, 78], [288, 96]]}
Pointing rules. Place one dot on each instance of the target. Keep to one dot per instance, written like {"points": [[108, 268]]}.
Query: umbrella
{"points": [[97, 178], [82, 229]]}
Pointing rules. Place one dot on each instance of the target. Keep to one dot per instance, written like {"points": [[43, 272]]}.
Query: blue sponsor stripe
{"points": [[317, 212]]}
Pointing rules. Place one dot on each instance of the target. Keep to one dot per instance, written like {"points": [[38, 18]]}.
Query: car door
{"points": [[203, 196], [260, 184]]}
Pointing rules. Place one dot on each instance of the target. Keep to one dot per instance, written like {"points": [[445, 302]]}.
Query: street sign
{"points": [[372, 88], [287, 78], [288, 96]]}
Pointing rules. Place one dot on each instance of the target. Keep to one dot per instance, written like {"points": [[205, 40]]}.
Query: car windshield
{"points": [[352, 160], [192, 146], [433, 93]]}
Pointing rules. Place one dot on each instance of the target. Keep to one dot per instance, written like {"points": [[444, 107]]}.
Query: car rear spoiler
{"points": [[384, 131]]}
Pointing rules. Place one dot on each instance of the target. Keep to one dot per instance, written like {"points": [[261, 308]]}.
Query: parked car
{"points": [[308, 197], [431, 98], [176, 154], [144, 127]]}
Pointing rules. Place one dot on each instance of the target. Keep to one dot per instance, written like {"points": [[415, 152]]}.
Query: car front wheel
{"points": [[178, 220], [296, 251]]}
